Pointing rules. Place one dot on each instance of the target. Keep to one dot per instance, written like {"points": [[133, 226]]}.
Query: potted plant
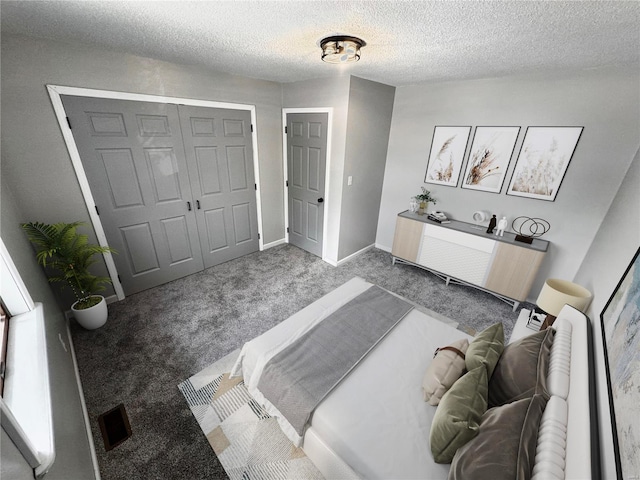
{"points": [[69, 255], [424, 198]]}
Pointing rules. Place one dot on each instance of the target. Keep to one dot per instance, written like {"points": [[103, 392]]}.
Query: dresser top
{"points": [[479, 230]]}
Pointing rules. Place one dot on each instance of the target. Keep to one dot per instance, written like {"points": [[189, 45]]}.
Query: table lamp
{"points": [[557, 293]]}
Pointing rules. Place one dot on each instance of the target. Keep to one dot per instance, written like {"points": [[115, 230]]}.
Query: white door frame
{"points": [[55, 91], [327, 199]]}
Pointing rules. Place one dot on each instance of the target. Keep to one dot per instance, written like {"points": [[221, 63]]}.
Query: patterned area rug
{"points": [[247, 440]]}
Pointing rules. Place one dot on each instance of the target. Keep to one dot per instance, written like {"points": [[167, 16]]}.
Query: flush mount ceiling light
{"points": [[341, 49]]}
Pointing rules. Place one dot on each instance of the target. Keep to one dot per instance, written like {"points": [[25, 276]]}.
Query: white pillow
{"points": [[444, 370]]}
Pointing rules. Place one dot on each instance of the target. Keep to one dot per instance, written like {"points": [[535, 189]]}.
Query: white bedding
{"points": [[375, 424], [389, 437]]}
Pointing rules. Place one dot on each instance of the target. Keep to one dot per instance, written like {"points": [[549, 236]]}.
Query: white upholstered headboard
{"points": [[571, 414]]}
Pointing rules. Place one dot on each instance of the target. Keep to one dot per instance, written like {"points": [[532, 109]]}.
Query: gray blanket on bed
{"points": [[298, 378]]}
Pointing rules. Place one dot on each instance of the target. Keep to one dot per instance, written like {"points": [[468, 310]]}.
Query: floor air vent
{"points": [[114, 426]]}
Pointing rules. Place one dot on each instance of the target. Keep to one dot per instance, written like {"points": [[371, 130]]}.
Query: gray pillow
{"points": [[485, 349], [505, 447], [458, 416], [522, 369]]}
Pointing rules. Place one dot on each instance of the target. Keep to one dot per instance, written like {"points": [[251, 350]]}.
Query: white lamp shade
{"points": [[556, 293]]}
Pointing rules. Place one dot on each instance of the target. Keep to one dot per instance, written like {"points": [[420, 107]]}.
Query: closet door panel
{"points": [[133, 157], [219, 152]]}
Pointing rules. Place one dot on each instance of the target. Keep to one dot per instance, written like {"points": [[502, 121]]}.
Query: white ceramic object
{"points": [[91, 318]]}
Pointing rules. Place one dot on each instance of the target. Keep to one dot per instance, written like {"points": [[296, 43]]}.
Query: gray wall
{"points": [[33, 152], [368, 124], [616, 241], [39, 184], [39, 164], [327, 93], [606, 103], [73, 456], [609, 255], [361, 121]]}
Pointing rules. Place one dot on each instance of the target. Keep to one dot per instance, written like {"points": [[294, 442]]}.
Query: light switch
{"points": [[349, 180]]}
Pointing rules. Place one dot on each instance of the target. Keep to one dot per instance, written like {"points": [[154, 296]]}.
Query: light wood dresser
{"points": [[461, 252]]}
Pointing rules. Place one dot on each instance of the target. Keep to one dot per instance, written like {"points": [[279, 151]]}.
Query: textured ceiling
{"points": [[408, 42]]}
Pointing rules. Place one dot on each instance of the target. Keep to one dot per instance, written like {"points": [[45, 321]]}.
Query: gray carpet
{"points": [[156, 339]]}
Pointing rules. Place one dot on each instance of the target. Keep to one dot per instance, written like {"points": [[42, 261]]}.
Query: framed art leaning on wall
{"points": [[620, 320], [544, 158], [448, 147]]}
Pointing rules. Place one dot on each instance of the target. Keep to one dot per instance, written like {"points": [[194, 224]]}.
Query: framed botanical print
{"points": [[543, 161], [489, 158], [621, 337], [448, 147]]}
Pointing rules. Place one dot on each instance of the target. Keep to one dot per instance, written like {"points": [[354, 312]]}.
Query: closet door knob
{"points": [[320, 200]]}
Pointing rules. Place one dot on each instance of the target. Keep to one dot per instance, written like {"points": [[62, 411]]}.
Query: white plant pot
{"points": [[93, 317]]}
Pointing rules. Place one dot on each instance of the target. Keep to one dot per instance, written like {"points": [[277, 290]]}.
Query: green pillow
{"points": [[486, 349], [457, 418]]}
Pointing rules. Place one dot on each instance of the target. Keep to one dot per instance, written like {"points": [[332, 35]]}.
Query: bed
{"points": [[375, 423]]}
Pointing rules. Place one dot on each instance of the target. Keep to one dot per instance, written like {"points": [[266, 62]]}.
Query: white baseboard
{"points": [[111, 299], [274, 244], [85, 413], [331, 262], [353, 255], [383, 247]]}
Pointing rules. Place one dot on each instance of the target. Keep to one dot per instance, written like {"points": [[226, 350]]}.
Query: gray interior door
{"points": [[173, 185], [133, 156], [219, 153], [306, 165]]}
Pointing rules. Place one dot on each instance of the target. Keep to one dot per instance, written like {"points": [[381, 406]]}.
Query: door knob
{"points": [[320, 200]]}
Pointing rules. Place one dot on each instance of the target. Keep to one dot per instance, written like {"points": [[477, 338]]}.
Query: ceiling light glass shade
{"points": [[341, 49]]}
